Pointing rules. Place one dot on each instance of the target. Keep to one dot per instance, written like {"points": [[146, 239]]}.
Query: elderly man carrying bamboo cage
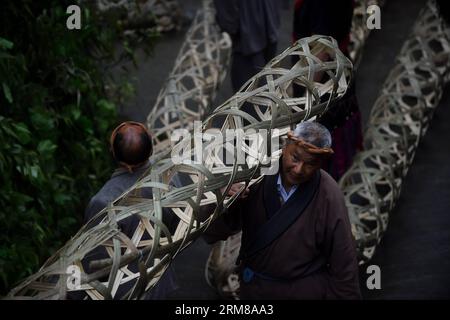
{"points": [[296, 235]]}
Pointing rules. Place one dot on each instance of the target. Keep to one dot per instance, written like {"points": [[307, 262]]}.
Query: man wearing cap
{"points": [[296, 234], [131, 147]]}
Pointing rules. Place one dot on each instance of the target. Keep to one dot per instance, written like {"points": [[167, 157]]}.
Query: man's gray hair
{"points": [[314, 133]]}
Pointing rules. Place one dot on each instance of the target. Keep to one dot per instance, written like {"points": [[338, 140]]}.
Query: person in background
{"points": [[131, 147], [343, 119], [253, 27]]}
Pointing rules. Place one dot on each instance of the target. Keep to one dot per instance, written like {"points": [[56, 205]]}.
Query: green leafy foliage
{"points": [[55, 117]]}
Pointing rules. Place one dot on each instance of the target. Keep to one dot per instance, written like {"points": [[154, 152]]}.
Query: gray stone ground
{"points": [[414, 255]]}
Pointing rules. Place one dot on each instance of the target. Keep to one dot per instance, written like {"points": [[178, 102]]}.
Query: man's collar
{"points": [[280, 185]]}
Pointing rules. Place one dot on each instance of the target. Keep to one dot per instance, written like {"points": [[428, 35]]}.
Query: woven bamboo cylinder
{"points": [[418, 79], [396, 130], [399, 118], [429, 41], [198, 71], [369, 194], [153, 246]]}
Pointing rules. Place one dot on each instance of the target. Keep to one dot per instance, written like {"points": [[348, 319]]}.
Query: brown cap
{"points": [[308, 147]]}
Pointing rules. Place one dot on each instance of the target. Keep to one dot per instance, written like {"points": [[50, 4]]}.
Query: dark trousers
{"points": [[243, 67]]}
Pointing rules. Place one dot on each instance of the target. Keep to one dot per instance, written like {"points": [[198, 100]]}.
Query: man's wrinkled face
{"points": [[298, 165]]}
